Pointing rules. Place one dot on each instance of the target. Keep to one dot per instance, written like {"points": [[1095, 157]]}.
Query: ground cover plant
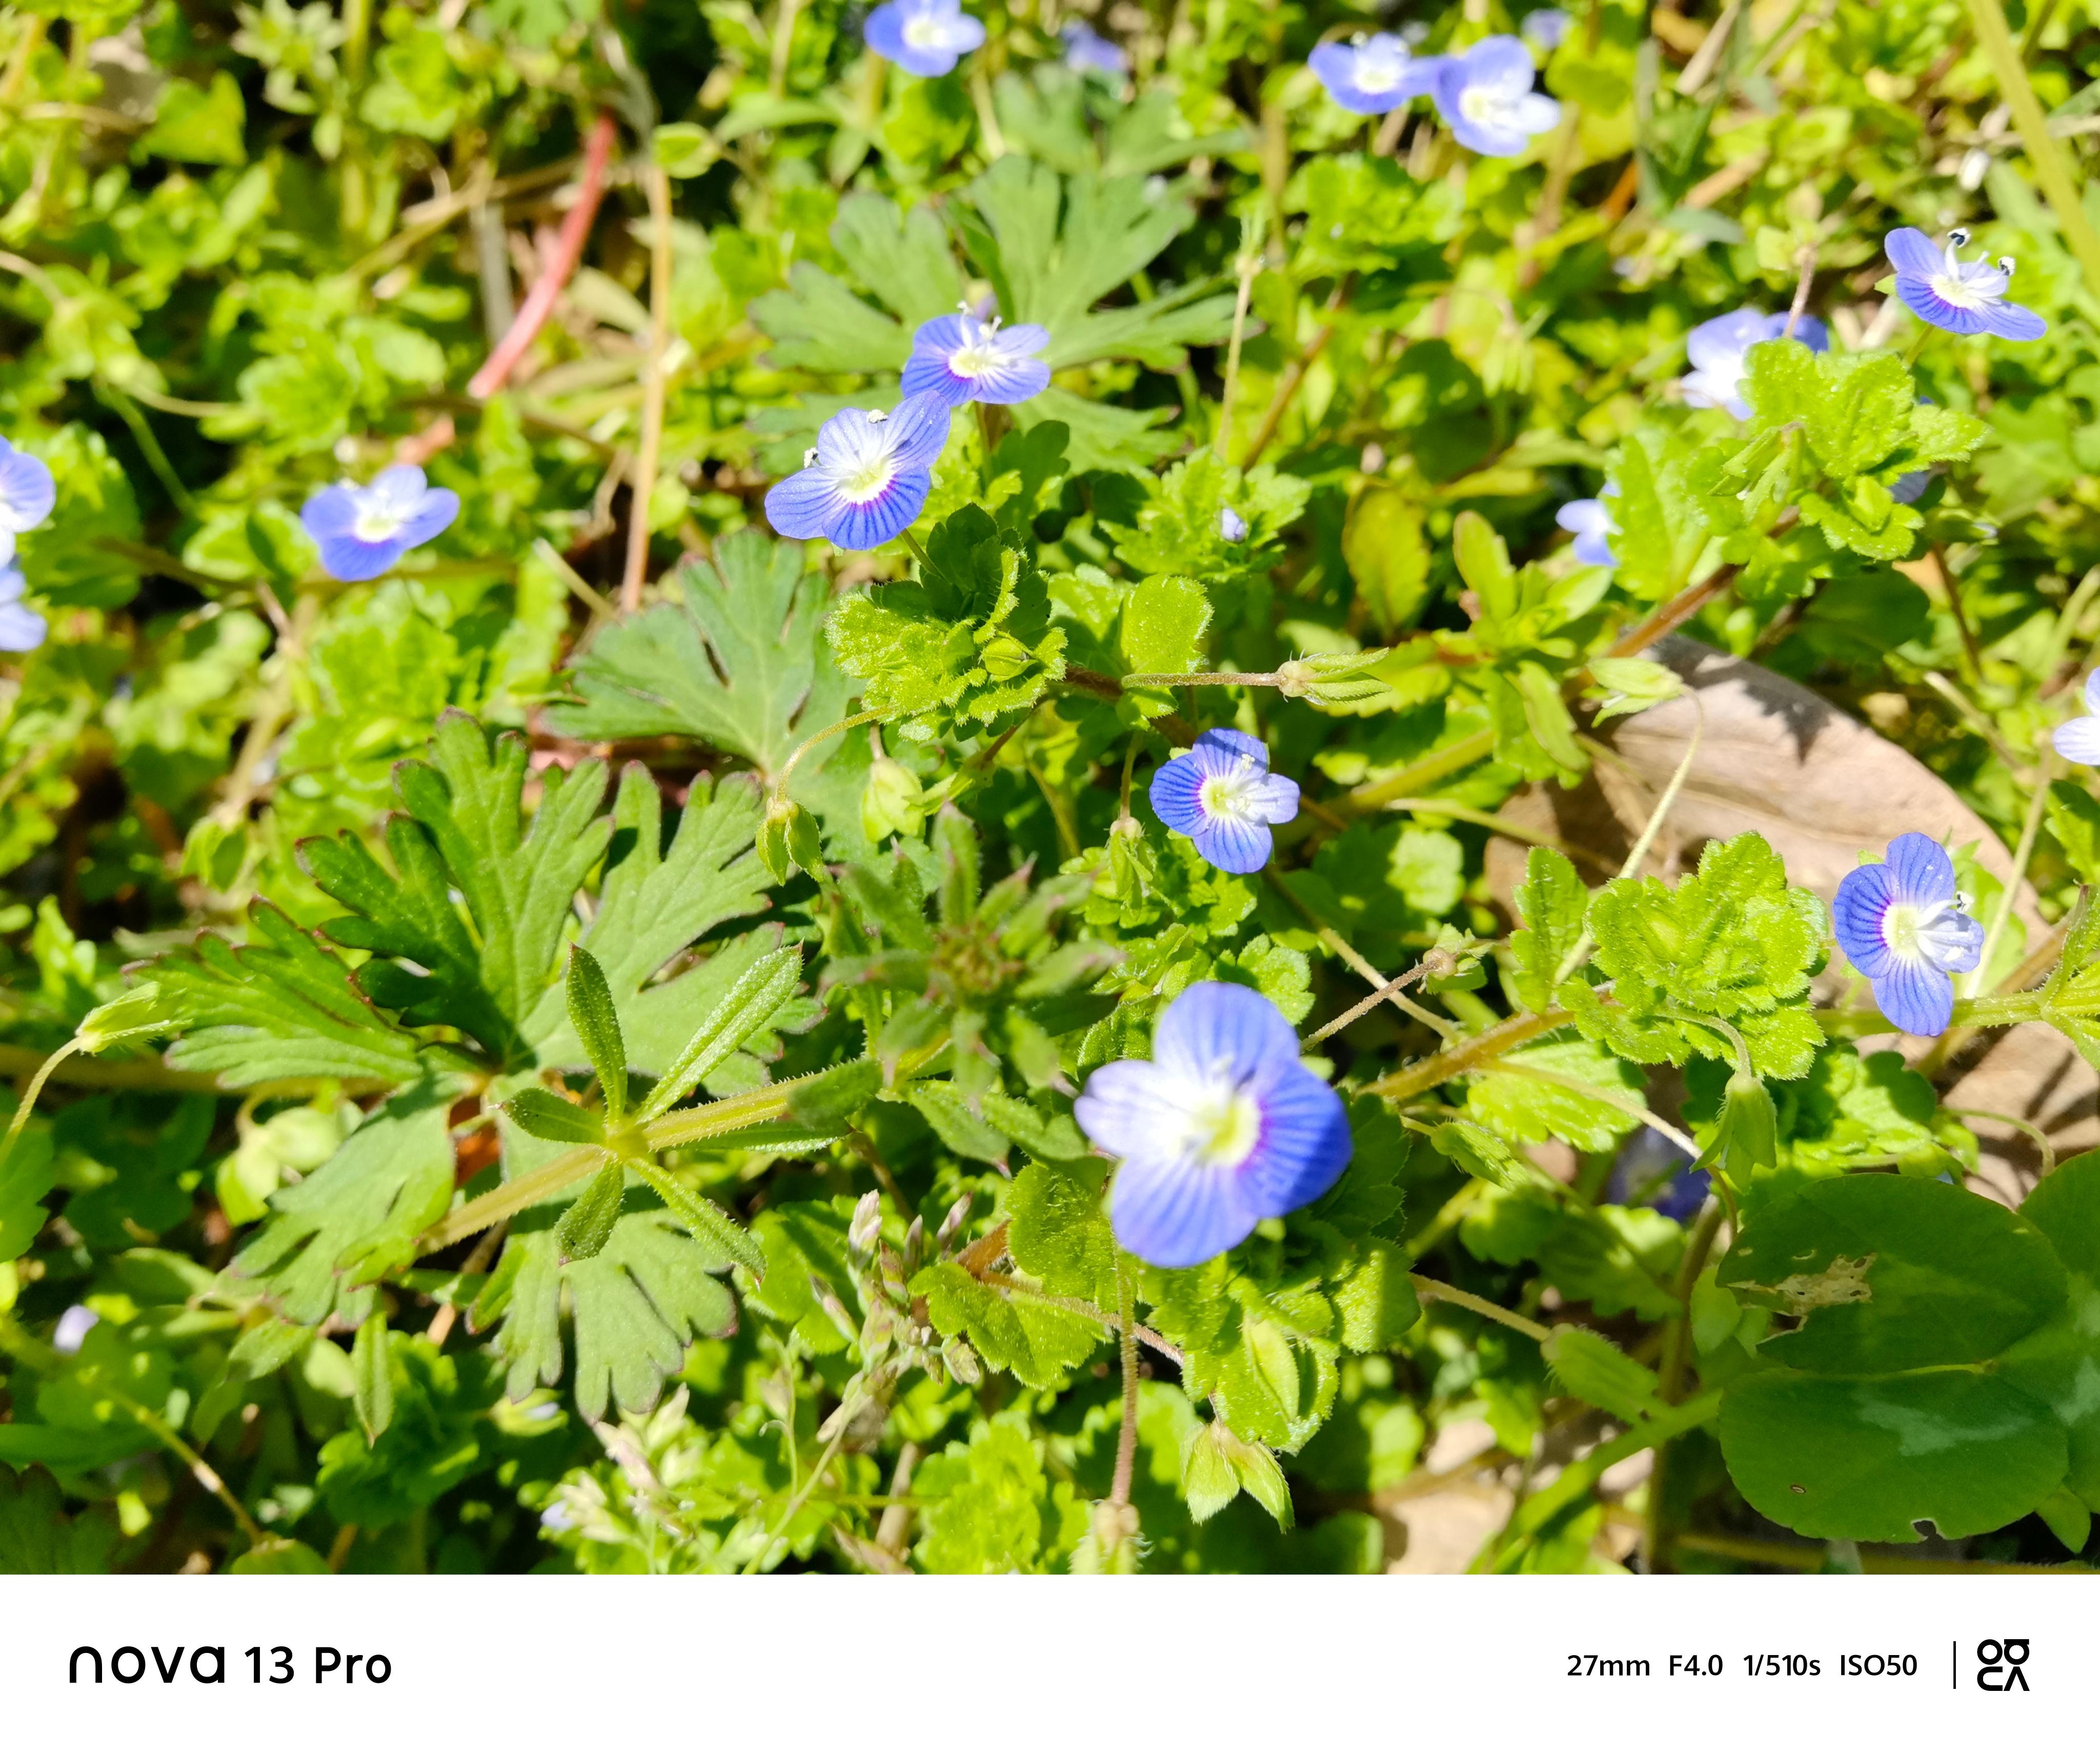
{"points": [[1203, 788]]}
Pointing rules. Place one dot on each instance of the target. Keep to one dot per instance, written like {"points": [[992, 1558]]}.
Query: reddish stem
{"points": [[568, 248]]}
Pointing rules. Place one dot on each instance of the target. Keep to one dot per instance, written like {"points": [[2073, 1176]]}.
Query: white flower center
{"points": [[923, 30], [1379, 69], [974, 360], [1221, 1126], [378, 521], [1226, 795], [867, 481], [1940, 933], [1493, 106]]}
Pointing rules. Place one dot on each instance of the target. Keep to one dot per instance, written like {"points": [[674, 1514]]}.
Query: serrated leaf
{"points": [[1037, 1342], [282, 1007], [1589, 1366], [1553, 906], [1057, 1232]]}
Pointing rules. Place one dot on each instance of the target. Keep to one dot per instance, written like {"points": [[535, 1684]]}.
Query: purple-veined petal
{"points": [[1220, 749], [2078, 740], [1919, 870], [1273, 798], [917, 431], [1912, 252], [884, 31], [1025, 338], [1120, 1109], [1219, 1029], [872, 522], [849, 441], [1915, 997], [942, 335], [1006, 381], [1304, 1145], [1233, 844], [1918, 293], [432, 516], [804, 505], [27, 490], [1176, 793], [2091, 692], [927, 374], [1864, 896], [1177, 1212], [2014, 322]]}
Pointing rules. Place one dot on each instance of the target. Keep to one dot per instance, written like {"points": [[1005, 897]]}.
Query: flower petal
{"points": [[805, 504], [21, 630], [401, 484], [1915, 997], [353, 560], [1912, 252], [1175, 1212], [1919, 870], [432, 516], [1233, 844], [2078, 740], [1220, 749], [1305, 1143], [874, 522], [1176, 793], [1124, 1105], [1217, 1029], [2014, 322], [915, 432], [1918, 293], [1006, 381], [26, 491], [330, 512], [1273, 798], [1864, 896]]}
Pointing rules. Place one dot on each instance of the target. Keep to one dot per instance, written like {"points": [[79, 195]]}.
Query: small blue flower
{"points": [[1720, 349], [2079, 739], [1654, 1169], [923, 37], [71, 1330], [1593, 527], [1371, 75], [1545, 29], [1231, 526], [1086, 51], [1221, 795], [962, 358], [362, 531], [1907, 929], [27, 493], [867, 476], [1963, 298], [21, 629], [1486, 99], [1222, 1128]]}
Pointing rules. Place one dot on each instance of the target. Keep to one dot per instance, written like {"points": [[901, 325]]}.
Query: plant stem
{"points": [[809, 743], [1249, 266], [2059, 187], [1294, 375], [654, 380], [1437, 1292], [1669, 1375], [29, 1103], [2030, 829], [1125, 1460], [1439, 1068]]}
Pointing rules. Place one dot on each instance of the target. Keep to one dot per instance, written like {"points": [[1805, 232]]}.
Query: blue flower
{"points": [[1545, 29], [1086, 51], [2079, 739], [1593, 527], [962, 358], [1222, 1128], [27, 493], [1652, 1167], [866, 477], [1720, 349], [1906, 929], [1486, 99], [1964, 298], [71, 1330], [923, 37], [21, 629], [1372, 74], [362, 531], [1231, 526], [1221, 795]]}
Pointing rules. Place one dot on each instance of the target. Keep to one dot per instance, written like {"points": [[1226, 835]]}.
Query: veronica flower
{"points": [[1086, 51], [1652, 1167], [362, 531], [1486, 99], [1593, 527], [27, 493], [1964, 298], [923, 37], [1908, 930], [21, 629], [1231, 526], [1221, 795], [1222, 1128], [962, 358], [866, 477], [1545, 29], [72, 1328], [1720, 349], [2079, 739], [1371, 74]]}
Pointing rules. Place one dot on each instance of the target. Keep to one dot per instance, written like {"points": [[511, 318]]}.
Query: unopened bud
{"points": [[867, 1226]]}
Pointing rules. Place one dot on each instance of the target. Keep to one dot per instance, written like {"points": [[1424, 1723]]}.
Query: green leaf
{"points": [[589, 1222], [279, 1557], [482, 967], [991, 1506], [27, 1172], [2074, 819], [1057, 1232], [739, 664], [1479, 1153], [1528, 1110], [1388, 556], [37, 1536], [283, 1007], [746, 1009], [1163, 621], [1553, 905], [358, 1216], [707, 1222], [372, 1362], [1589, 1366], [1855, 409], [596, 1025], [1039, 1344], [199, 124], [544, 1116]]}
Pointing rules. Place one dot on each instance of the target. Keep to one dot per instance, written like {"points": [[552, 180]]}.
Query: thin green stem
{"points": [[2053, 171], [1440, 1069], [29, 1103], [809, 743], [1249, 266], [1125, 1460], [2030, 830], [1438, 1292], [1669, 1375]]}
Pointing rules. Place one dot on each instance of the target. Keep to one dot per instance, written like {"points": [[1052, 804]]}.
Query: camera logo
{"points": [[2000, 1665]]}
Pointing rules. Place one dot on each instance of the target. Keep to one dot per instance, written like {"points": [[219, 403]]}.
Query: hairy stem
{"points": [[655, 380], [1438, 1293]]}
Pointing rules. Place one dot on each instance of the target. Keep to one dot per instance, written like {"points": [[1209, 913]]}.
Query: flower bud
{"points": [[1748, 1140], [893, 800]]}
